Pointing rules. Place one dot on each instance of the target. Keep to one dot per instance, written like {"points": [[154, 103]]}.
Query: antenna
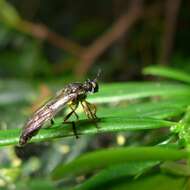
{"points": [[98, 75]]}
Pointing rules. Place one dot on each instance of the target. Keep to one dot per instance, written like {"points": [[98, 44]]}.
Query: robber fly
{"points": [[71, 95]]}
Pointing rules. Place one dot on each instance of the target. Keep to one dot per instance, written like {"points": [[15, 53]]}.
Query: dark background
{"points": [[71, 39]]}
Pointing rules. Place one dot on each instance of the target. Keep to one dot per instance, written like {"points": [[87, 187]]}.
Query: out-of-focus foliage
{"points": [[142, 127]]}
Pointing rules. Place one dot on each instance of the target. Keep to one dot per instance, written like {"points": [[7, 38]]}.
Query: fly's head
{"points": [[92, 86]]}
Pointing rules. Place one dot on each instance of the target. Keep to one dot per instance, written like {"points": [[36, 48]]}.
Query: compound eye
{"points": [[93, 84], [94, 87]]}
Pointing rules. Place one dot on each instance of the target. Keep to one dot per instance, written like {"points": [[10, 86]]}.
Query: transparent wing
{"points": [[43, 114]]}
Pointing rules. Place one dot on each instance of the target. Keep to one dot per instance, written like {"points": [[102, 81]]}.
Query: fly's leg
{"points": [[72, 122], [73, 111], [74, 129], [90, 111]]}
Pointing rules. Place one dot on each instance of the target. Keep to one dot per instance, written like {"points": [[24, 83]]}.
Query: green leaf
{"points": [[112, 124], [115, 173], [35, 183], [175, 168], [8, 13], [104, 158], [156, 182], [184, 130], [167, 72], [160, 109], [115, 92]]}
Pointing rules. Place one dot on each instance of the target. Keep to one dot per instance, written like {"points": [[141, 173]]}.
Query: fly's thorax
{"points": [[73, 87], [81, 96]]}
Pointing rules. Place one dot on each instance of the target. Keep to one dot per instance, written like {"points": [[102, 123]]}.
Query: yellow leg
{"points": [[72, 122], [73, 111], [89, 109]]}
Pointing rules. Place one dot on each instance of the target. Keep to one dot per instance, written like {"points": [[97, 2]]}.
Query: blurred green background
{"points": [[46, 44]]}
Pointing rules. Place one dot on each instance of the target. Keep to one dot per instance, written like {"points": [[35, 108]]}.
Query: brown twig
{"points": [[90, 54], [43, 33], [171, 12], [118, 29]]}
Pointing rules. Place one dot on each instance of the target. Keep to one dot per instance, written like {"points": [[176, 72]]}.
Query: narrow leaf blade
{"points": [[168, 73], [107, 157], [111, 124]]}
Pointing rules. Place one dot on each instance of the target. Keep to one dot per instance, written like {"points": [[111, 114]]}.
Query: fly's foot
{"points": [[73, 127]]}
